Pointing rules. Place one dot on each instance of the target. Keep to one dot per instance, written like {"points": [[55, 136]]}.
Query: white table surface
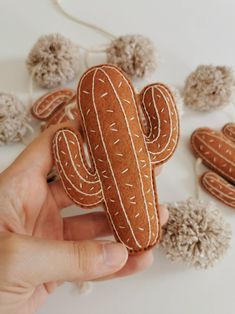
{"points": [[186, 33]]}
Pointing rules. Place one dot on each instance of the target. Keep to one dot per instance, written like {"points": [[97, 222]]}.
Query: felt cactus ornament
{"points": [[122, 153], [48, 104], [217, 151], [55, 107]]}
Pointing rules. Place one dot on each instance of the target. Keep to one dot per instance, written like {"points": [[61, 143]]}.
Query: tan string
{"points": [[68, 110], [95, 49], [81, 22]]}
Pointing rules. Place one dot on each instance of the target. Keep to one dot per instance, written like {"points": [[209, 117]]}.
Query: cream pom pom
{"points": [[209, 87], [53, 60], [196, 233], [14, 119], [134, 54]]}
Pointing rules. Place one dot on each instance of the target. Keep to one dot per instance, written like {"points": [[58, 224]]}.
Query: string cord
{"points": [[96, 49], [68, 110], [81, 22]]}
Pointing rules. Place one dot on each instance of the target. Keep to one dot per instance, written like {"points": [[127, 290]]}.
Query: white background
{"points": [[186, 33]]}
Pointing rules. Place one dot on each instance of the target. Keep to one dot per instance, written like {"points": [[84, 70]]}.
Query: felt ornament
{"points": [[229, 131], [196, 233], [122, 154], [209, 88], [56, 107], [217, 151], [67, 112], [219, 188], [134, 54], [54, 60], [14, 119], [48, 104]]}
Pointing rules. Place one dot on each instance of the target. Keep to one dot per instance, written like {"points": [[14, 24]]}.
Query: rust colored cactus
{"points": [[56, 107], [118, 171], [48, 104], [217, 151]]}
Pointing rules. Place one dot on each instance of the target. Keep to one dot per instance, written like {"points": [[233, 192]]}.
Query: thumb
{"points": [[36, 261]]}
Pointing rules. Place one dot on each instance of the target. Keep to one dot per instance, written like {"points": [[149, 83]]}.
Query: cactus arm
{"points": [[219, 188], [162, 122], [48, 104], [67, 112], [229, 131], [79, 180], [216, 151]]}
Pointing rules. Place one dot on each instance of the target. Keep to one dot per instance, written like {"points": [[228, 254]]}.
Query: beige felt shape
{"points": [[47, 105], [119, 156]]}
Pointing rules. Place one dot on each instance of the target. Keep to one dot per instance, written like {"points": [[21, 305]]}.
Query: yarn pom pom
{"points": [[53, 60], [209, 87], [196, 233], [13, 119], [134, 54]]}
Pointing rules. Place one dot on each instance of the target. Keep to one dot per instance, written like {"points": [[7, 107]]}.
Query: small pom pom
{"points": [[209, 88], [14, 119], [134, 54], [54, 60], [196, 233]]}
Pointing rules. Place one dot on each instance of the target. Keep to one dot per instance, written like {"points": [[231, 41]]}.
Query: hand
{"points": [[39, 249]]}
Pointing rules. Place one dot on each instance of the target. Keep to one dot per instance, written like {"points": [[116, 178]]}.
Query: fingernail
{"points": [[115, 255]]}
